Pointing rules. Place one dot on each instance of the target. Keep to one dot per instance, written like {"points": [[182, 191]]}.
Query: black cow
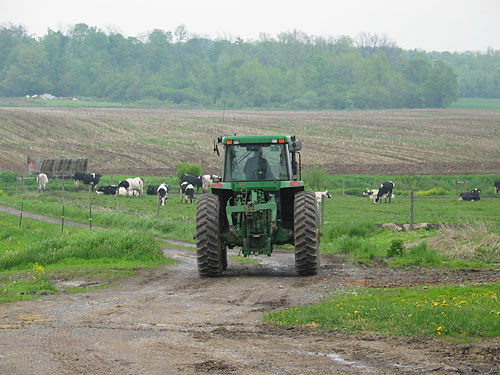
{"points": [[385, 191], [107, 190], [472, 195], [196, 181], [86, 179], [162, 192], [497, 187], [152, 189]]}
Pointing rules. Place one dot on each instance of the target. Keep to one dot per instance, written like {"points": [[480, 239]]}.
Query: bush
{"points": [[431, 192], [188, 168], [396, 249], [315, 178]]}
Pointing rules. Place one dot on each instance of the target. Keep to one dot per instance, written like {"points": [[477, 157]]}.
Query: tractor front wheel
{"points": [[306, 233], [208, 236]]}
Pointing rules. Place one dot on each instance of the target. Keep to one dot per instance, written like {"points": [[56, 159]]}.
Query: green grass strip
{"points": [[454, 311]]}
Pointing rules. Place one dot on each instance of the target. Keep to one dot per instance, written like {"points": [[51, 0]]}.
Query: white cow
{"points": [[127, 193], [41, 181], [206, 182], [136, 184], [320, 194]]}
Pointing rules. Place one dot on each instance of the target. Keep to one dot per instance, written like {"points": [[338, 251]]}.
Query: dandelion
{"points": [[356, 312], [439, 330], [391, 316], [492, 311], [410, 315]]}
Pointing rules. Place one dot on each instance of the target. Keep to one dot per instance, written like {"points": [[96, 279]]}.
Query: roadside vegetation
{"points": [[464, 312], [36, 256]]}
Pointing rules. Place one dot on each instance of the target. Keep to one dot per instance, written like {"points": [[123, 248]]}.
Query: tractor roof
{"points": [[243, 139]]}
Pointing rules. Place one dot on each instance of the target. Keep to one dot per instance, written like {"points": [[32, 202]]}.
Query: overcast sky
{"points": [[441, 25]]}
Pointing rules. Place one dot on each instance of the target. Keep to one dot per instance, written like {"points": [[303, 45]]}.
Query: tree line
{"points": [[290, 71]]}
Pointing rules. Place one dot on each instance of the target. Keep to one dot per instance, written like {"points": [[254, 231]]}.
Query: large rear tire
{"points": [[208, 236], [306, 233]]}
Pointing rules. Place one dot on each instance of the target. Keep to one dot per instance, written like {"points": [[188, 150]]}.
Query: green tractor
{"points": [[260, 201]]}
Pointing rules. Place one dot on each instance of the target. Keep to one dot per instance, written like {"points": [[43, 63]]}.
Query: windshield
{"points": [[256, 162]]}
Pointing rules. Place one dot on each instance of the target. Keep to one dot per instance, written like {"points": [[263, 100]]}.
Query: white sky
{"points": [[441, 25]]}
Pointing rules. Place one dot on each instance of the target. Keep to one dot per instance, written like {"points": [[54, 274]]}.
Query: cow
{"points": [[152, 189], [41, 181], [193, 180], [472, 195], [320, 194], [136, 184], [371, 193], [107, 190], [162, 192], [385, 191], [128, 193], [87, 179], [206, 182], [497, 187], [182, 190], [189, 193]]}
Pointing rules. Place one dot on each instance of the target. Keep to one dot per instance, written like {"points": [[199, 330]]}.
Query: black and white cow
{"points": [[472, 195], [86, 179], [162, 192], [107, 190], [371, 193], [320, 194], [196, 181], [189, 193], [497, 187], [385, 191], [136, 184], [41, 181], [182, 190], [152, 189]]}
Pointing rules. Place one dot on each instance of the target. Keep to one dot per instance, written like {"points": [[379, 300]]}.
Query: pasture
{"points": [[351, 222]]}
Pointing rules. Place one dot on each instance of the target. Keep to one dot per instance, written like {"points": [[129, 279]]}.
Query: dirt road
{"points": [[168, 321]]}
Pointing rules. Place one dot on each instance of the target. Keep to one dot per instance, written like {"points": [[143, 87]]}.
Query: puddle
{"points": [[337, 358]]}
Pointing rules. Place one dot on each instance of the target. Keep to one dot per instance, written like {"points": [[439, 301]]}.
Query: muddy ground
{"points": [[169, 321]]}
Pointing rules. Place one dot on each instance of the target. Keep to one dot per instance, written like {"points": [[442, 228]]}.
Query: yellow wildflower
{"points": [[410, 315]]}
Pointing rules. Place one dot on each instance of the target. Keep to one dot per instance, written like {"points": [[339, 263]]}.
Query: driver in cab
{"points": [[257, 168]]}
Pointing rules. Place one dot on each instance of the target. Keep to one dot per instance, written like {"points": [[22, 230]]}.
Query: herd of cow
{"points": [[135, 187]]}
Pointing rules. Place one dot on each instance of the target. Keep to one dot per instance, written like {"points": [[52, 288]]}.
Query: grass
{"points": [[455, 311], [34, 257], [477, 103]]}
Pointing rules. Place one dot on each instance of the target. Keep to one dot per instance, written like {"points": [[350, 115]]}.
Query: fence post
{"points": [[343, 186], [322, 209], [117, 199], [90, 207], [62, 220], [21, 216], [411, 210], [157, 204], [63, 188]]}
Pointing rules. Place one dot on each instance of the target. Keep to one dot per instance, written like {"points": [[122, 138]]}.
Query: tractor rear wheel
{"points": [[306, 233], [208, 236]]}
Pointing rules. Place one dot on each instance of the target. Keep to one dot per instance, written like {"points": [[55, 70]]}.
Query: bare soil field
{"points": [[152, 142], [169, 321]]}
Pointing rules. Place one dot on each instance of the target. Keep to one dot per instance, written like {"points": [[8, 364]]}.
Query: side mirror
{"points": [[295, 146]]}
